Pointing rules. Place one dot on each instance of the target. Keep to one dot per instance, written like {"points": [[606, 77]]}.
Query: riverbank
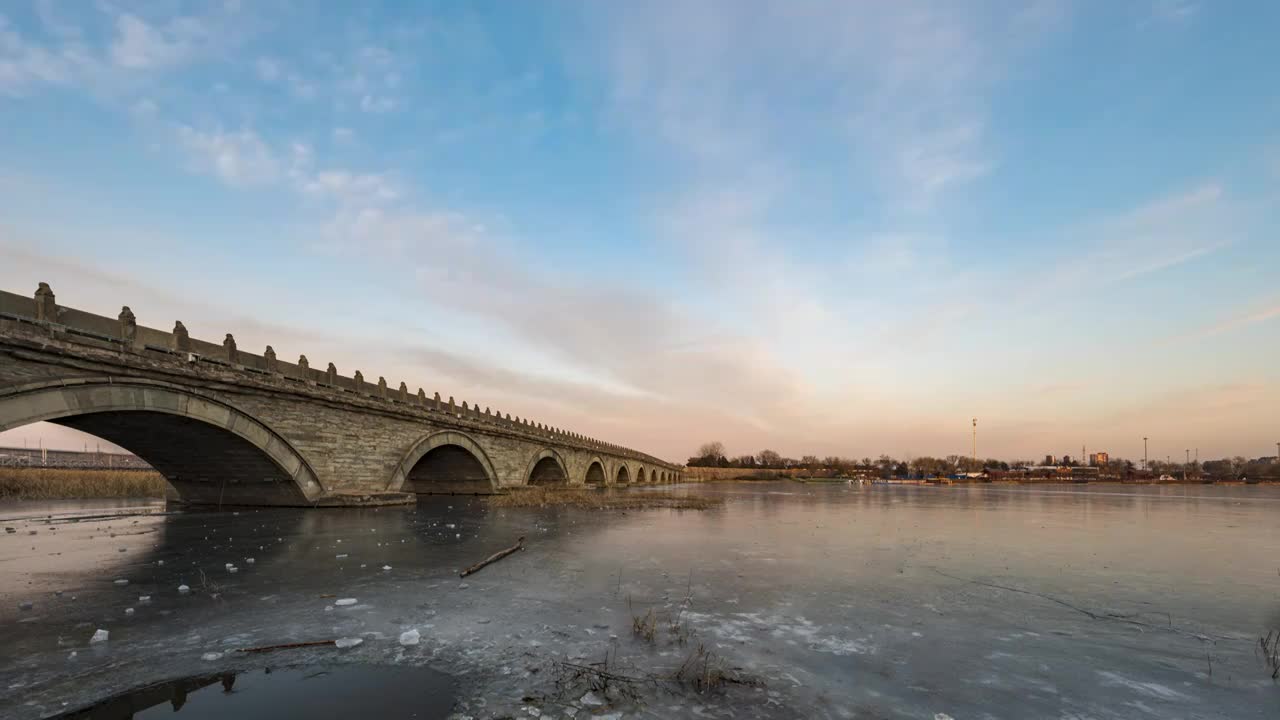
{"points": [[592, 498], [72, 484]]}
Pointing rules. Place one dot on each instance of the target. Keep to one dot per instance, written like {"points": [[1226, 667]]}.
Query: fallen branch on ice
{"points": [[494, 557]]}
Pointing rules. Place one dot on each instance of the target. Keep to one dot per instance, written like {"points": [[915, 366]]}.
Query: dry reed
{"points": [[596, 499], [67, 483]]}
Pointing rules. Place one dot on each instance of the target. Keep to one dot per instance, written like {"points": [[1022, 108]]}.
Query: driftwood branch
{"points": [[286, 646], [494, 557]]}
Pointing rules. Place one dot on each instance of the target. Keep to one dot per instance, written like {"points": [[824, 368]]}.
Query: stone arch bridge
{"points": [[225, 426]]}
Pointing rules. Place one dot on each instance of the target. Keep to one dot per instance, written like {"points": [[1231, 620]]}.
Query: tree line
{"points": [[712, 454]]}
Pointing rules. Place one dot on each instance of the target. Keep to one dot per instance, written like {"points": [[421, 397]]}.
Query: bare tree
{"points": [[713, 449]]}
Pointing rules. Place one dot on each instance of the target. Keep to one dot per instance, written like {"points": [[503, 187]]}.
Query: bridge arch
{"points": [[624, 475], [209, 451], [640, 478], [447, 462], [546, 468], [595, 474]]}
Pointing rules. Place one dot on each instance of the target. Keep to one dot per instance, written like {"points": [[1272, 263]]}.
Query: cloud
{"points": [[140, 46], [240, 158]]}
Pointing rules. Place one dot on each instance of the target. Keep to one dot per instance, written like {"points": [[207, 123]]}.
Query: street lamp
{"points": [[1144, 453]]}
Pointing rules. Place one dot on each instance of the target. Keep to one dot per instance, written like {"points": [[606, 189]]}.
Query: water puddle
{"points": [[348, 691]]}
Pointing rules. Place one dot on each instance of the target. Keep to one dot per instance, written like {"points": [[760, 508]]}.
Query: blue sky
{"points": [[830, 227]]}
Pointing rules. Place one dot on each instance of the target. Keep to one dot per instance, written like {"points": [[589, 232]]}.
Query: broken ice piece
{"points": [[211, 656], [343, 602], [341, 556], [184, 589], [128, 611], [99, 635], [348, 642], [386, 567], [249, 561], [122, 581], [233, 569], [410, 637], [144, 598]]}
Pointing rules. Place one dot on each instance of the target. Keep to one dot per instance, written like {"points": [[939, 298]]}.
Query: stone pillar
{"points": [[404, 392], [270, 356], [382, 387], [181, 340], [465, 410], [304, 365], [331, 375], [229, 345], [358, 379], [422, 397], [452, 409], [128, 326], [46, 307], [437, 401]]}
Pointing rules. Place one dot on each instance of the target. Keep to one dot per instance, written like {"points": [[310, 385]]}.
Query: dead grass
{"points": [[1270, 646], [60, 483], [597, 499], [704, 671]]}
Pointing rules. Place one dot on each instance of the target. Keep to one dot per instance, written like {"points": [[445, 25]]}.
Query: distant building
{"points": [[1048, 460], [1099, 459]]}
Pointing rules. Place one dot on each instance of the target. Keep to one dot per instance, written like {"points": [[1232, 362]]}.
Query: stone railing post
{"points": [[270, 356], [181, 340], [331, 374], [46, 306], [422, 397], [404, 392], [128, 326], [452, 409], [229, 345], [382, 387], [437, 401], [358, 382]]}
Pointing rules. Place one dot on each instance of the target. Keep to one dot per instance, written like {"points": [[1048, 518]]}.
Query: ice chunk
{"points": [[386, 567], [122, 581], [229, 565], [410, 637], [348, 642], [72, 656], [942, 716], [159, 562], [184, 589], [340, 556], [249, 561], [144, 598], [343, 602], [99, 635], [211, 656], [591, 699], [233, 569], [128, 611]]}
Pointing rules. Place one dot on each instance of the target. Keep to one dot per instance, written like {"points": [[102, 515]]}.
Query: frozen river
{"points": [[826, 601]]}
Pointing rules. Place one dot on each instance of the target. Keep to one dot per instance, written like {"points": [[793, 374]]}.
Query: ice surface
{"points": [[835, 598]]}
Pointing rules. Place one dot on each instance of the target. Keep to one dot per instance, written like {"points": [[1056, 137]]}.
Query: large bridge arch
{"points": [[595, 473], [209, 451], [624, 475], [546, 468], [445, 462]]}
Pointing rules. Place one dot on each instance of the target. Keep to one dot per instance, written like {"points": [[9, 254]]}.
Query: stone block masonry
{"points": [[228, 426]]}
